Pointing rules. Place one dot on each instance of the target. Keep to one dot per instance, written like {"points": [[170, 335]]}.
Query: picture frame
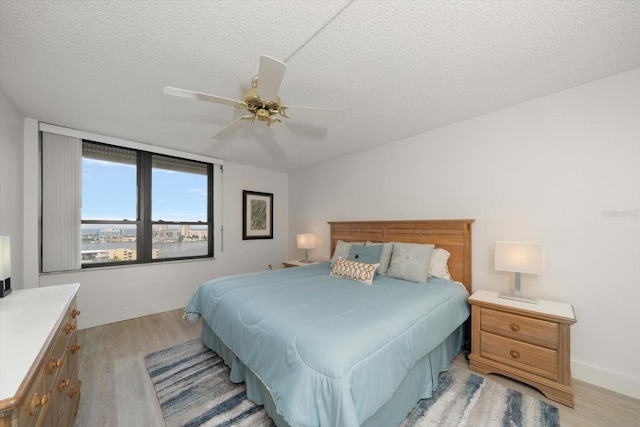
{"points": [[257, 215]]}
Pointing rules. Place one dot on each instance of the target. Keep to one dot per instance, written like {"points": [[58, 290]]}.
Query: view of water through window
{"points": [[179, 196]]}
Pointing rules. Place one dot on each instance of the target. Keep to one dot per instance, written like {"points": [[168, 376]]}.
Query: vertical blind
{"points": [[61, 202]]}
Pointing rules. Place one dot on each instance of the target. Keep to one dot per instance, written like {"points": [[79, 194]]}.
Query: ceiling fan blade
{"points": [[232, 127], [203, 97], [294, 111], [282, 130], [270, 77]]}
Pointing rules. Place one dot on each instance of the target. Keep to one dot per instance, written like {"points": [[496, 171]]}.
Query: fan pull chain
{"points": [[322, 27]]}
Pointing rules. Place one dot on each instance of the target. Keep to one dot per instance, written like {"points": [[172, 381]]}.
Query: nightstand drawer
{"points": [[531, 358], [526, 329]]}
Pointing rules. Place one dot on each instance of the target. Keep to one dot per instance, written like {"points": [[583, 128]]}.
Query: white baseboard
{"points": [[605, 378]]}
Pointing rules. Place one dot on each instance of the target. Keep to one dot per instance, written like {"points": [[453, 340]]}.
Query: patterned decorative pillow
{"points": [[360, 271], [385, 256], [342, 250], [438, 265], [410, 261]]}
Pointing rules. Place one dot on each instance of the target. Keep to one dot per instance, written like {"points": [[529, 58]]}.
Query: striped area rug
{"points": [[193, 388]]}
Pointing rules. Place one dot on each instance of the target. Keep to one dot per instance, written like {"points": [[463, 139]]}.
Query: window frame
{"points": [[144, 223]]}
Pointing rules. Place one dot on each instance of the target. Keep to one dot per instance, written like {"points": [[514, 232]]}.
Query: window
{"points": [[141, 207], [179, 207]]}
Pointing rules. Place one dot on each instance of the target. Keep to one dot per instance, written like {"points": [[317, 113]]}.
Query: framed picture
{"points": [[257, 215]]}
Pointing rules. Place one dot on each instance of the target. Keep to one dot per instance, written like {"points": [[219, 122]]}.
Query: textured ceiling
{"points": [[396, 67]]}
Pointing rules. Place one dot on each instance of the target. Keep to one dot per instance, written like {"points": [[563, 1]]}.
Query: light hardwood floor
{"points": [[116, 390]]}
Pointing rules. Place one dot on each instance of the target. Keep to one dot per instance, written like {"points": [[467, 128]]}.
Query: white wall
{"points": [[11, 135], [542, 171], [118, 293]]}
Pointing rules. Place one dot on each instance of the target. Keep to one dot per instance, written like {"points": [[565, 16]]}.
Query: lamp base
{"points": [[517, 298], [305, 261]]}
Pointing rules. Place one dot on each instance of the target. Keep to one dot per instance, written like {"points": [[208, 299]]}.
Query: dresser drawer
{"points": [[527, 357], [55, 360], [35, 408], [526, 329]]}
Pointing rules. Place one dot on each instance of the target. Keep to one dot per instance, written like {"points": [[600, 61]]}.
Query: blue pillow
{"points": [[366, 254]]}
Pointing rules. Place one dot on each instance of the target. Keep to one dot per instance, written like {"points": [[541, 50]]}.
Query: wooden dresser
{"points": [[39, 383], [523, 341]]}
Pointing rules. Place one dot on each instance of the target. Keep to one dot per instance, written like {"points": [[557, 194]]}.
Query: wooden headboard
{"points": [[452, 235]]}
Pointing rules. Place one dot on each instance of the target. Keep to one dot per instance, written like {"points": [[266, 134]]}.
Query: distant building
{"points": [[99, 255], [123, 254], [109, 233], [199, 234], [161, 231]]}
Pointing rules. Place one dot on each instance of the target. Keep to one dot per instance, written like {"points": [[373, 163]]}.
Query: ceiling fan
{"points": [[262, 100]]}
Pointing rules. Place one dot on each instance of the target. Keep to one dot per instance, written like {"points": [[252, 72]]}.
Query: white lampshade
{"points": [[519, 257], [5, 258], [306, 241]]}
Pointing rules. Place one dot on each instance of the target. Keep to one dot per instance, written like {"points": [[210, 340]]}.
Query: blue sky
{"points": [[109, 192]]}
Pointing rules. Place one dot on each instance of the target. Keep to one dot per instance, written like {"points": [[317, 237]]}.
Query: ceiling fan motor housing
{"points": [[262, 109]]}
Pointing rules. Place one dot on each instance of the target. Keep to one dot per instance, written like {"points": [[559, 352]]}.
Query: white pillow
{"points": [[438, 265], [385, 256], [410, 261], [360, 271]]}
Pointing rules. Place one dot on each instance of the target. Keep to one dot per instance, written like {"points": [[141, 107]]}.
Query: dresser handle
{"points": [[73, 391], [75, 313], [69, 327], [514, 354], [514, 327], [62, 384], [74, 348], [35, 402], [53, 364]]}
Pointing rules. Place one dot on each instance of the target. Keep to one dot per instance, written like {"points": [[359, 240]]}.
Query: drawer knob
{"points": [[74, 348], [53, 364], [62, 384], [69, 327], [37, 401], [514, 327], [514, 354], [75, 313]]}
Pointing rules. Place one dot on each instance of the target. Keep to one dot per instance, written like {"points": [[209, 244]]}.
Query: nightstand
{"points": [[288, 264], [527, 342]]}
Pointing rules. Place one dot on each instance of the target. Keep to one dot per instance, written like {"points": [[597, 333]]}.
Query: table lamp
{"points": [[5, 266], [306, 242], [519, 258]]}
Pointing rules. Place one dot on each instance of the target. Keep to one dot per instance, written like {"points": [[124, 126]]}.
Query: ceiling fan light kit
{"points": [[261, 100], [262, 109]]}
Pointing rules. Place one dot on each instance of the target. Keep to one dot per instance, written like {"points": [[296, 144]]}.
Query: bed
{"points": [[323, 350]]}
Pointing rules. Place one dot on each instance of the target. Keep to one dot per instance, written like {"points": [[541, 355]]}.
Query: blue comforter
{"points": [[331, 351]]}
